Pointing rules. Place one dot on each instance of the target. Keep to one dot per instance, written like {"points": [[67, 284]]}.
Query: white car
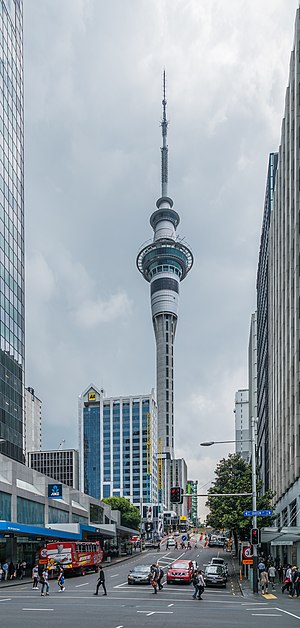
{"points": [[171, 542]]}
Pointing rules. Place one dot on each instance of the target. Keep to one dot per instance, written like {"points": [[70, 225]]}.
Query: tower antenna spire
{"points": [[164, 149]]}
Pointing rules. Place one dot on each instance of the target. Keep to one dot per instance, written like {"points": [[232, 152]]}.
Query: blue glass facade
{"points": [[29, 512], [12, 351], [91, 444], [55, 515], [5, 506], [119, 445], [126, 449]]}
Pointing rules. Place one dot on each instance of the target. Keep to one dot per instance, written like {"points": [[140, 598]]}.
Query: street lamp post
{"points": [[251, 440]]}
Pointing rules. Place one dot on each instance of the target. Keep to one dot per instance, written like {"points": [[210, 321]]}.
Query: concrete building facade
{"points": [[32, 422], [241, 412], [262, 288], [61, 464], [284, 310]]}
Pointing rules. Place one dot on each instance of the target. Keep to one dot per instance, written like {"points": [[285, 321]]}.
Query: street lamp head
{"points": [[207, 443]]}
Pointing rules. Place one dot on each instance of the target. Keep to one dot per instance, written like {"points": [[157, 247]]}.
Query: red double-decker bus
{"points": [[74, 557]]}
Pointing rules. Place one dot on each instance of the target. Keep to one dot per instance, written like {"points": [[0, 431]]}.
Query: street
{"points": [[126, 606]]}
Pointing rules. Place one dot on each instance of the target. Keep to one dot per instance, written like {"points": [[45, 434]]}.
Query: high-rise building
{"points": [[118, 446], [284, 311], [262, 288], [178, 477], [32, 423], [241, 411], [60, 464], [12, 351], [164, 263]]}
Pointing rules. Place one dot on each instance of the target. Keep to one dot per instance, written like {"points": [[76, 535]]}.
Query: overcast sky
{"points": [[92, 177]]}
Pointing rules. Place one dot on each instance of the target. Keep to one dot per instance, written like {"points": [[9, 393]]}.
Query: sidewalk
{"points": [[107, 563]]}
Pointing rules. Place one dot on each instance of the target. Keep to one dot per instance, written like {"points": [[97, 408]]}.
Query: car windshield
{"points": [[142, 568], [217, 561], [217, 569], [179, 566]]}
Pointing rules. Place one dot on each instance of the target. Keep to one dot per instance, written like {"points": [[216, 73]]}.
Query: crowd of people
{"points": [[9, 571], [288, 577]]}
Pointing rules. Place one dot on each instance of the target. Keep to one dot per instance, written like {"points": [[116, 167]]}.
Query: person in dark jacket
{"points": [[101, 581]]}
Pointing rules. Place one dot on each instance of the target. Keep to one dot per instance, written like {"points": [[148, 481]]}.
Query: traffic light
{"points": [[176, 495], [255, 540]]}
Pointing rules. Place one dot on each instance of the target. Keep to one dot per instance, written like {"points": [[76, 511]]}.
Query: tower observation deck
{"points": [[164, 263]]}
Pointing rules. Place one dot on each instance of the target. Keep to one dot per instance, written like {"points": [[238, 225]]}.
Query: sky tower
{"points": [[164, 263]]}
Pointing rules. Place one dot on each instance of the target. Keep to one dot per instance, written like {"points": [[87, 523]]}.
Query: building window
{"points": [[29, 512], [79, 519], [5, 506], [106, 490], [56, 515]]}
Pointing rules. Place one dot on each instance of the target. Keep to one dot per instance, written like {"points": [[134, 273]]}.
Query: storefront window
{"points": [[55, 515]]}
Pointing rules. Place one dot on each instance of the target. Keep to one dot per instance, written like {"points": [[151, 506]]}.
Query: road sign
{"points": [[183, 538], [247, 561], [247, 552], [257, 513]]}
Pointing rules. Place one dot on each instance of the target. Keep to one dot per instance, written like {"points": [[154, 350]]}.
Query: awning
{"points": [[274, 535], [8, 527]]}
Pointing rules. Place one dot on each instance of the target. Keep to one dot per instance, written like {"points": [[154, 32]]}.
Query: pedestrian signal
{"points": [[176, 495]]}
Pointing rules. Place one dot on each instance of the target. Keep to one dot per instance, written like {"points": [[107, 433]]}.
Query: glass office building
{"points": [[118, 446], [12, 350]]}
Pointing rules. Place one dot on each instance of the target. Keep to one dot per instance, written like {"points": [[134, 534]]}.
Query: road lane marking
{"points": [[170, 604], [6, 599], [287, 612], [266, 615], [118, 586], [119, 626], [114, 576], [81, 585], [37, 609]]}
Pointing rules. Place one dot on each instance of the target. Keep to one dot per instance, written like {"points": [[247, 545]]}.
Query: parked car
{"points": [[141, 574], [180, 571], [215, 575]]}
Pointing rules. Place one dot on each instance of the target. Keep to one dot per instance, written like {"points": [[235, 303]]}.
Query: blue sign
{"points": [[258, 513], [55, 491], [183, 538]]}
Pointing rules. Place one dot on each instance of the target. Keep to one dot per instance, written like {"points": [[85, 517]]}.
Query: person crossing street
{"points": [[101, 582]]}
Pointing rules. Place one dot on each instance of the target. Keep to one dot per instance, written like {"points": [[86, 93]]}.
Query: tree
{"points": [[234, 475], [130, 514]]}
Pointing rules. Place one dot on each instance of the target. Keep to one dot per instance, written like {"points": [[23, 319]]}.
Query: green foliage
{"points": [[233, 475], [130, 514]]}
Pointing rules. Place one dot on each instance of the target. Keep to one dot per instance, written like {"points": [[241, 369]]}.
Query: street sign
{"points": [[183, 538], [257, 513], [247, 561], [247, 552]]}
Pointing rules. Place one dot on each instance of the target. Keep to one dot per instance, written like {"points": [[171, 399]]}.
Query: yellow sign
{"points": [[247, 561], [182, 518], [159, 465], [149, 445], [92, 396]]}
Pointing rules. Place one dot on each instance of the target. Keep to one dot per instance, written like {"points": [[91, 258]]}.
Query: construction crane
{"points": [[61, 443]]}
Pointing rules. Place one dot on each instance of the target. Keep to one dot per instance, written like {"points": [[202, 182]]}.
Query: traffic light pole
{"points": [[254, 519]]}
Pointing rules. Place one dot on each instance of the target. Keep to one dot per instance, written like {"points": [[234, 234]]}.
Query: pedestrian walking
{"points": [[101, 582], [287, 580], [195, 583], [11, 571], [23, 567], [159, 578], [261, 566], [280, 572], [61, 580], [44, 582], [35, 577], [201, 585], [154, 578], [271, 575], [295, 583], [5, 570], [264, 581]]}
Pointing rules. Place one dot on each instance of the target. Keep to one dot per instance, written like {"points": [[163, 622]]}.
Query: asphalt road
{"points": [[136, 606]]}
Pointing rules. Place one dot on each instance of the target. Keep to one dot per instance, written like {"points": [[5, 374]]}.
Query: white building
{"points": [[61, 464], [118, 446], [241, 411], [33, 422]]}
